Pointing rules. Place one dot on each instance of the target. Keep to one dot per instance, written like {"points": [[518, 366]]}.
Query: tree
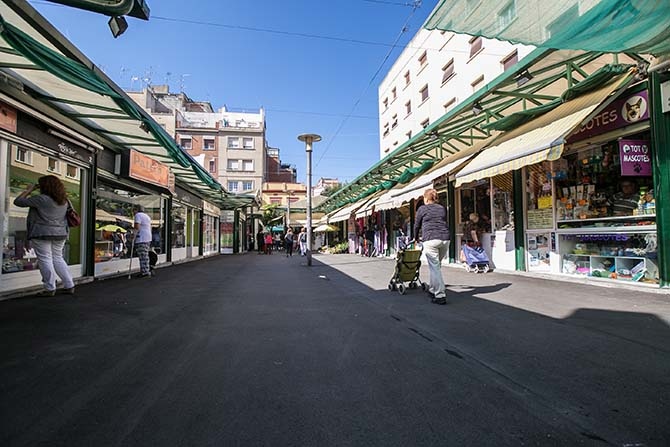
{"points": [[269, 213]]}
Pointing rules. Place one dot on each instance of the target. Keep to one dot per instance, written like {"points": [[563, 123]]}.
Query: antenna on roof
{"points": [[182, 78]]}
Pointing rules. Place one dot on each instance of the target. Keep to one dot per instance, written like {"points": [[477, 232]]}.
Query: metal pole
{"points": [[308, 148], [309, 139]]}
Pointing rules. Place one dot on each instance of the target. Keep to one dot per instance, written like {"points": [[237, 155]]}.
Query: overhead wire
{"points": [[403, 30]]}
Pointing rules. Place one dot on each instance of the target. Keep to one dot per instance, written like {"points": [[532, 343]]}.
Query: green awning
{"points": [[45, 68], [596, 25]]}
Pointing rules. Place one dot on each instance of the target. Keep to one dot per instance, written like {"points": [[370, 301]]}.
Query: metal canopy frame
{"points": [[94, 116], [552, 73]]}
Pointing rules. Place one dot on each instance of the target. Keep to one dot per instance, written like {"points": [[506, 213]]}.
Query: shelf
{"points": [[596, 230], [610, 218]]}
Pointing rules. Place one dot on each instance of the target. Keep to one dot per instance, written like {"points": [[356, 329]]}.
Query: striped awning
{"points": [[542, 138], [343, 213]]}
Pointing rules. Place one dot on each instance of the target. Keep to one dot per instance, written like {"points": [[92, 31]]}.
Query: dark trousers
{"points": [[289, 248]]}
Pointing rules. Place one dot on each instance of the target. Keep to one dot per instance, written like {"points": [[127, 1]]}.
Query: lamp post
{"points": [[308, 139]]}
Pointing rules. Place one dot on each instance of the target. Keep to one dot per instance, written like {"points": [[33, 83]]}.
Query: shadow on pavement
{"points": [[262, 350]]}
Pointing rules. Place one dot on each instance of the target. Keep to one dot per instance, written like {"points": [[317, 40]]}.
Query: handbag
{"points": [[71, 216]]}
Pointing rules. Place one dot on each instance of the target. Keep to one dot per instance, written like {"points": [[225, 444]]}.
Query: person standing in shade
{"points": [[302, 240], [431, 223], [260, 240], [288, 241], [142, 239], [48, 230]]}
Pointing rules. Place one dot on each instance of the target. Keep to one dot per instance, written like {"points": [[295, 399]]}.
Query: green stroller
{"points": [[407, 270]]}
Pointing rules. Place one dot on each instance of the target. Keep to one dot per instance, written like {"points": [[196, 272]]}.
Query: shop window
{"points": [[72, 172], [503, 202], [114, 222], [53, 166], [186, 143], [247, 185], [475, 199], [179, 216], [233, 185], [23, 155], [25, 169], [248, 143], [233, 143], [248, 165], [208, 144]]}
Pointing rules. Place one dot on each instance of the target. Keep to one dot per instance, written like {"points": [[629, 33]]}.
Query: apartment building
{"points": [[276, 171], [231, 145], [436, 71]]}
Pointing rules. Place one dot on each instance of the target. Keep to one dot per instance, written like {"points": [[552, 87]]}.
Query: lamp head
{"points": [[309, 138]]}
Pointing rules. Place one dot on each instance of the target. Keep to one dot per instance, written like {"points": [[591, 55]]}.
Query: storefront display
{"points": [[23, 166], [210, 226], [114, 230]]}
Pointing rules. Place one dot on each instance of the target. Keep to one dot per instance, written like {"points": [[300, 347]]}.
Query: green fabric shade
{"points": [[598, 25], [595, 80], [77, 74]]}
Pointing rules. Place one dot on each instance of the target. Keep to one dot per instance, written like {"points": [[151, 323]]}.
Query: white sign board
{"points": [[665, 97]]}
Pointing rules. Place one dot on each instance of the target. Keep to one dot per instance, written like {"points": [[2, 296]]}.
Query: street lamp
{"points": [[308, 139]]}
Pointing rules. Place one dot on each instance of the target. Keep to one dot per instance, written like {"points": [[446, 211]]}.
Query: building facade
{"points": [[230, 145], [436, 71]]}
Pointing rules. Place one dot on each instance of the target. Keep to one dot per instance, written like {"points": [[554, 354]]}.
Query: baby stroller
{"points": [[406, 270], [476, 259]]}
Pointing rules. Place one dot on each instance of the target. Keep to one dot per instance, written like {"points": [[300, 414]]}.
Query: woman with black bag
{"points": [[48, 229]]}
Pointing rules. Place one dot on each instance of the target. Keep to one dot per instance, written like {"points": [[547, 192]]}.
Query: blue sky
{"points": [[305, 84]]}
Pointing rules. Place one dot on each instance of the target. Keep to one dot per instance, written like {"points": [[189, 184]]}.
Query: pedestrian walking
{"points": [[302, 240], [48, 229], [431, 222], [288, 241], [268, 244], [142, 239]]}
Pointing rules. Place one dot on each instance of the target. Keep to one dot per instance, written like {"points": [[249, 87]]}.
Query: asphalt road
{"points": [[255, 350]]}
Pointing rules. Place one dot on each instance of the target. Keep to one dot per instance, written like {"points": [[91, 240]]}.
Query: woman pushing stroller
{"points": [[431, 222]]}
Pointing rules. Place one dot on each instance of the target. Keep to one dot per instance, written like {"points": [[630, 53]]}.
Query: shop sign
{"points": [[625, 111], [635, 157], [7, 117], [665, 97], [142, 167], [211, 209]]}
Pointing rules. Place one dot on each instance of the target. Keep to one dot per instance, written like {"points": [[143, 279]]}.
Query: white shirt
{"points": [[144, 234]]}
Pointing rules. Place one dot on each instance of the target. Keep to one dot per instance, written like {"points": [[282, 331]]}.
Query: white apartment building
{"points": [[436, 71]]}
